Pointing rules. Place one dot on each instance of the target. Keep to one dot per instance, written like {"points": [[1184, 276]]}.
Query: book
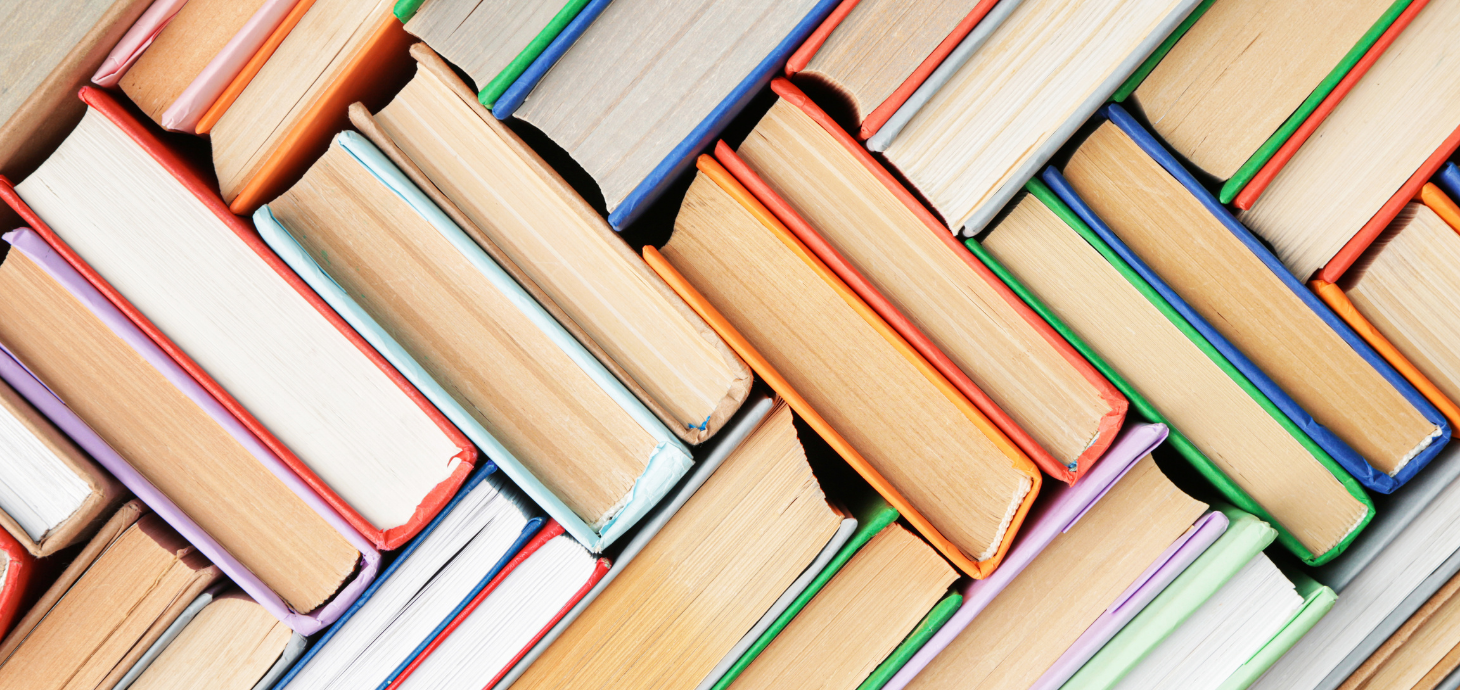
{"points": [[796, 595], [547, 412], [887, 412], [878, 239], [119, 595], [279, 113], [432, 579], [1250, 452], [1008, 97], [870, 55], [1220, 278], [701, 582], [1218, 625], [1410, 89], [543, 582], [164, 56], [532, 224], [52, 495], [1391, 294], [1421, 653], [16, 566], [920, 636], [1214, 92], [632, 98], [51, 49], [212, 295], [493, 44], [140, 416], [1087, 546], [1378, 592], [708, 459], [862, 613], [223, 639]]}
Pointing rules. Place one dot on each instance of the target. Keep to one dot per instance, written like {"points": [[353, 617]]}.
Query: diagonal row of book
{"points": [[651, 344]]}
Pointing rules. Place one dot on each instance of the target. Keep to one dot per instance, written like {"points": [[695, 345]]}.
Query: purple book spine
{"points": [[1171, 563], [24, 382], [1057, 512]]}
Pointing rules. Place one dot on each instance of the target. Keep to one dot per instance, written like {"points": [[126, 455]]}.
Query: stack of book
{"points": [[842, 344]]}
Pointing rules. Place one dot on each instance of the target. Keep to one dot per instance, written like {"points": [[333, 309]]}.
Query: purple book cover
{"points": [[33, 247], [1170, 564], [1053, 515]]}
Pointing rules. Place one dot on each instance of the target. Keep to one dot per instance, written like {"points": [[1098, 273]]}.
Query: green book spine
{"points": [[1246, 536], [1317, 601], [1135, 79], [1264, 153], [873, 514], [1199, 460], [405, 9], [493, 90], [930, 625]]}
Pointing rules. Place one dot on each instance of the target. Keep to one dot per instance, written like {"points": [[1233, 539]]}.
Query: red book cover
{"points": [[18, 563], [384, 540], [1109, 424], [882, 113], [549, 531], [1361, 240]]}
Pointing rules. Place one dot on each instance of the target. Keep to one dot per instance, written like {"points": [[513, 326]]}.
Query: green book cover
{"points": [[405, 9], [873, 514], [1317, 601], [930, 625], [1232, 187], [1199, 460], [1246, 536]]}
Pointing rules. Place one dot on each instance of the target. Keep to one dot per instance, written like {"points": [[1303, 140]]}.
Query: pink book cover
{"points": [[184, 113], [30, 244]]}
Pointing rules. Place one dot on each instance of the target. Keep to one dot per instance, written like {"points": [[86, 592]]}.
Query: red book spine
{"points": [[17, 576]]}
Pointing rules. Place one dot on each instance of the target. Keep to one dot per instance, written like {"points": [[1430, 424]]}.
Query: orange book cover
{"points": [[252, 67], [977, 569], [1110, 423], [1431, 196], [882, 113], [372, 77]]}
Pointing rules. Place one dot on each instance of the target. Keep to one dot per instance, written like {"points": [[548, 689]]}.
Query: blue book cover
{"points": [[1341, 452], [682, 158], [477, 477], [1449, 180]]}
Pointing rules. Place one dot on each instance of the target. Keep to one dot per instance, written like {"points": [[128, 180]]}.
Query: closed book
{"points": [[590, 515], [1348, 365], [967, 427], [494, 525], [412, 414], [18, 564], [1055, 515], [1234, 24], [1242, 543], [29, 246], [708, 458], [872, 118], [937, 296], [535, 37], [632, 190]]}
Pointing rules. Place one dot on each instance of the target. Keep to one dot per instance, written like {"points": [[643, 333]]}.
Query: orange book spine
{"points": [[373, 76], [252, 67], [762, 367]]}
